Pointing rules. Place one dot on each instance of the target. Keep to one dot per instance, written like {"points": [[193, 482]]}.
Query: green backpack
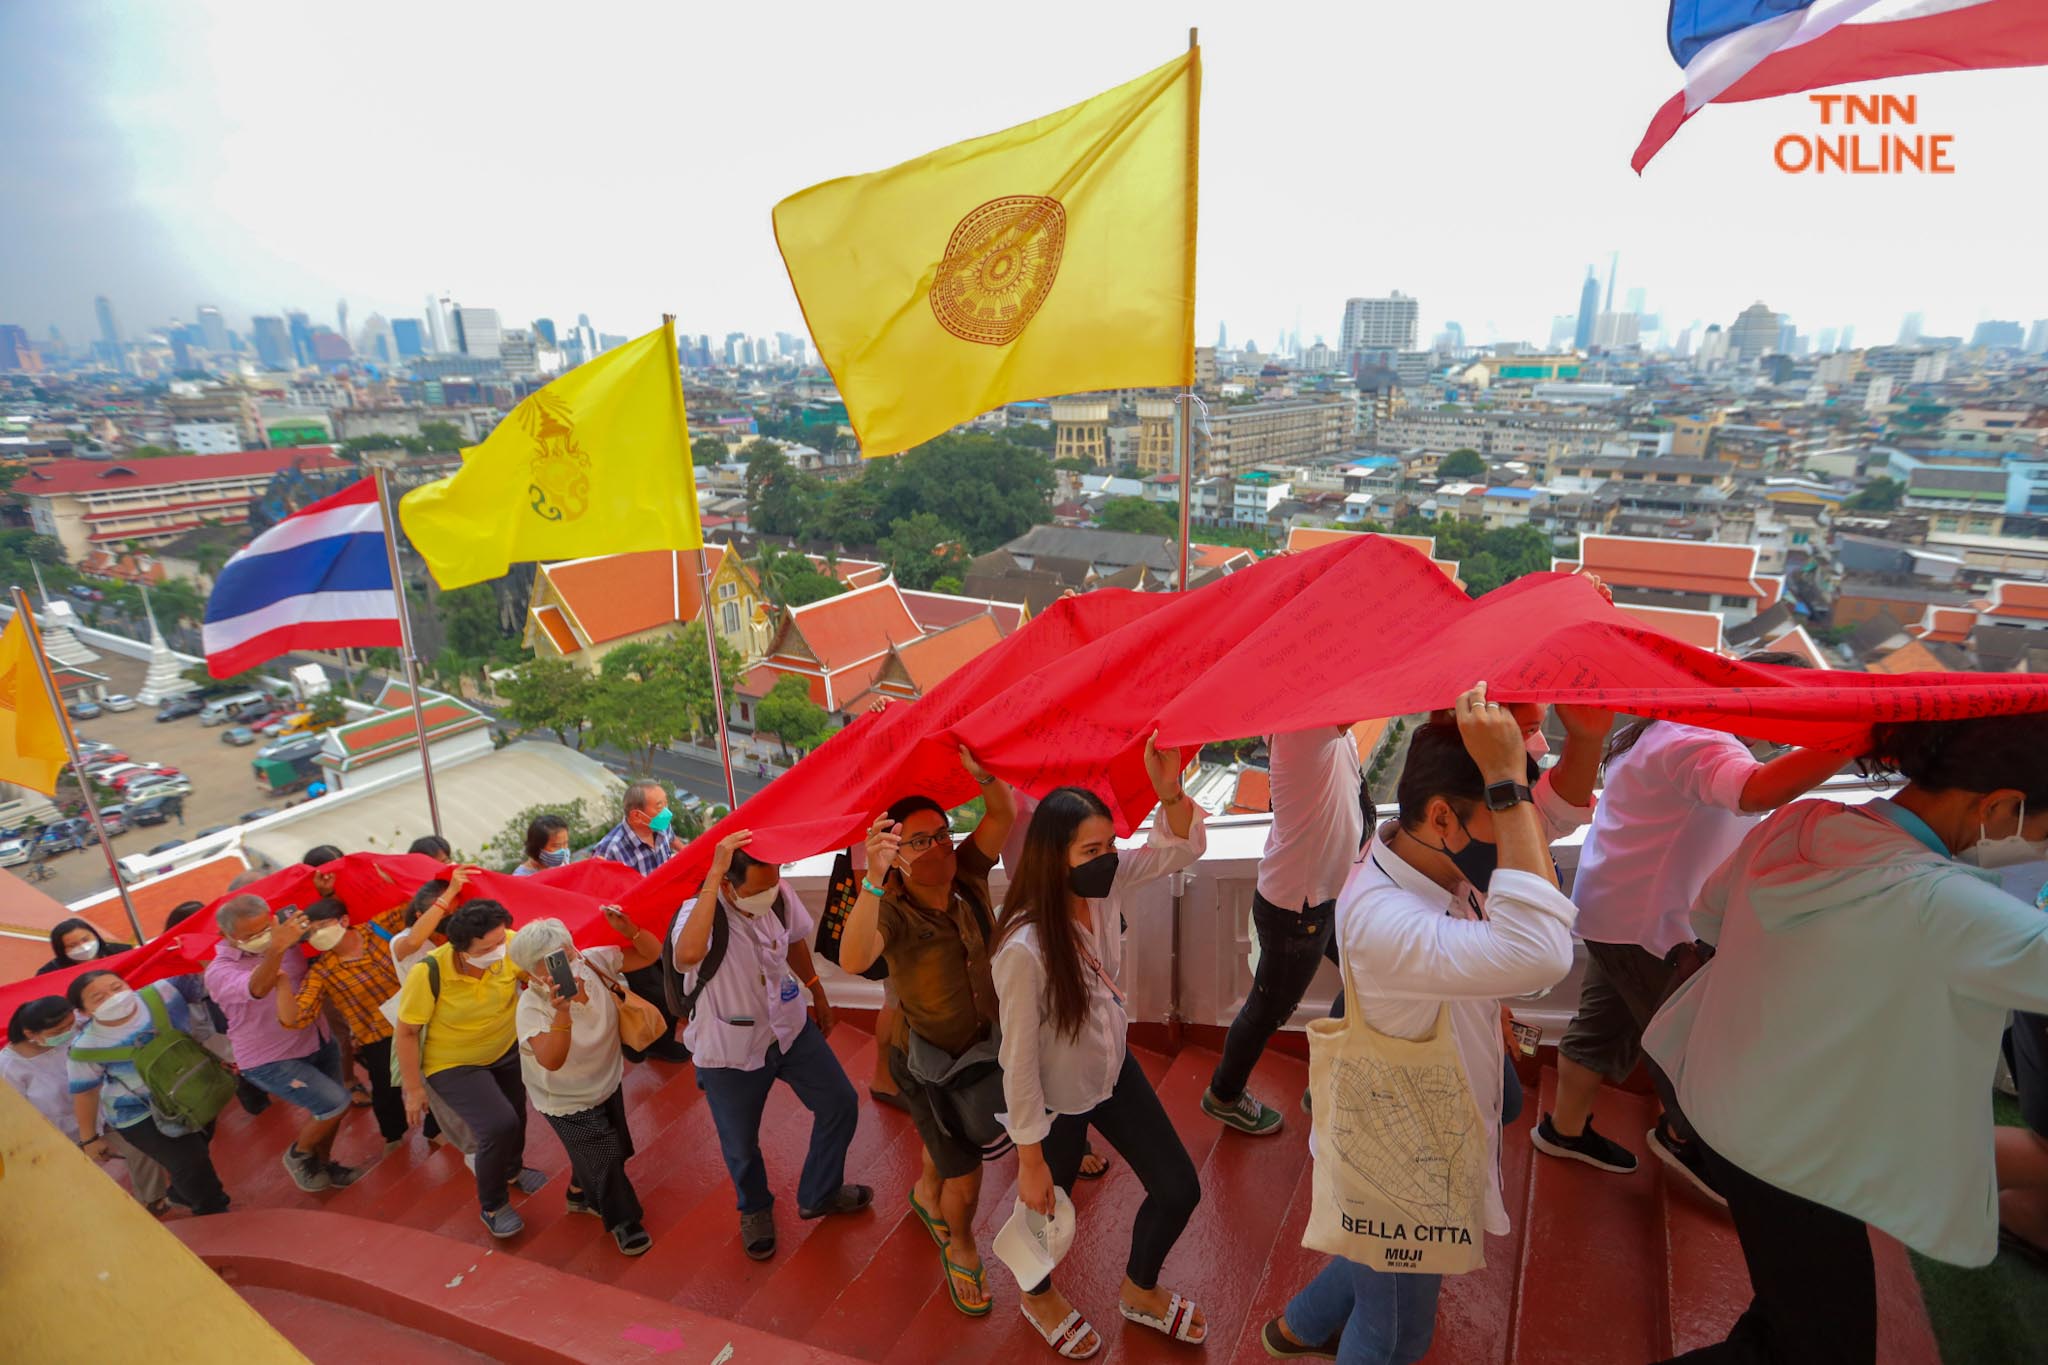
{"points": [[187, 1084]]}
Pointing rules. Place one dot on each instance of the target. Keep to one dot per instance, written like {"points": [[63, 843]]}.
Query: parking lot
{"points": [[224, 787]]}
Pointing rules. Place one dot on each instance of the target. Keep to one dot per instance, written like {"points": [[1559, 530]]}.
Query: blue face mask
{"points": [[554, 857], [660, 823]]}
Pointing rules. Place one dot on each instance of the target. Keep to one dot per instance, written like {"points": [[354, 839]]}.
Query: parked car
{"points": [[65, 835], [115, 818], [13, 852], [213, 829], [167, 786], [84, 708], [242, 734], [260, 813], [94, 746], [121, 782], [118, 701], [100, 762], [156, 810], [86, 594], [177, 708], [167, 845]]}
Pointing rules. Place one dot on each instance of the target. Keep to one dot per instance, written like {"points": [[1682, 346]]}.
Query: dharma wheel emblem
{"points": [[999, 265]]}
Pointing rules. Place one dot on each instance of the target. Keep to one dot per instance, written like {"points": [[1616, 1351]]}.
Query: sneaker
{"points": [[1280, 1348], [503, 1221], [1588, 1147], [757, 1234], [308, 1174], [1245, 1113], [579, 1202], [846, 1199], [340, 1177], [1683, 1160], [632, 1239], [529, 1180]]}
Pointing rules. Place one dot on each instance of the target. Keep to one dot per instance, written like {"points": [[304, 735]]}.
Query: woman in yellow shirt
{"points": [[463, 999]]}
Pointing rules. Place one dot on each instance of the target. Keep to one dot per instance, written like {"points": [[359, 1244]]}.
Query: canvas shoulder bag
{"points": [[641, 1025], [1401, 1149]]}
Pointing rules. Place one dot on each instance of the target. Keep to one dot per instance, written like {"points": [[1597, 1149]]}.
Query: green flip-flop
{"points": [[941, 1235], [978, 1278]]}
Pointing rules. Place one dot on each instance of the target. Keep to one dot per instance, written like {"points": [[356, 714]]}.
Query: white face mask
{"points": [[83, 952], [326, 936], [2007, 850], [760, 903], [486, 959], [258, 944], [115, 1007]]}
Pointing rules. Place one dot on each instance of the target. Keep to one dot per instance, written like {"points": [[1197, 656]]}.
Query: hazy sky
{"points": [[621, 160]]}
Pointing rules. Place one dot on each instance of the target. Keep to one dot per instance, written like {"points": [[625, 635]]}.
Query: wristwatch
{"points": [[1506, 795]]}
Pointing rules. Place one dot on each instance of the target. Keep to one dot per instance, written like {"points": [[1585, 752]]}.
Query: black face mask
{"points": [[1092, 879], [1476, 860]]}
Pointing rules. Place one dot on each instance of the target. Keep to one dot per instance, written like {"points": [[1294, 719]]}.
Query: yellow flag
{"points": [[31, 731], [598, 462], [1054, 257]]}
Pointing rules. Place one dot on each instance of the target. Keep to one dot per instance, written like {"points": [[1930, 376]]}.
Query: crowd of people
{"points": [[1782, 965]]}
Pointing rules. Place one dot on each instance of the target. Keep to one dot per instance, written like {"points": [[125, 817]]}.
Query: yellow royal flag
{"points": [[1055, 257], [596, 463], [31, 731]]}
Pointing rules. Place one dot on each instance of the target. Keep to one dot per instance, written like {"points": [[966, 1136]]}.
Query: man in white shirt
{"points": [[750, 1028], [1455, 906]]}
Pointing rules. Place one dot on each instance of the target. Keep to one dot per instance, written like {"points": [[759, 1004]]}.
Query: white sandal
{"points": [[1179, 1322], [1066, 1337]]}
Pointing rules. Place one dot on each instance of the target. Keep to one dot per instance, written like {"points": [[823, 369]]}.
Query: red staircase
{"points": [[1600, 1268]]}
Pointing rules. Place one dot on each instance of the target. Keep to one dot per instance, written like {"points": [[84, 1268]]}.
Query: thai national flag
{"points": [[319, 579], [1735, 50]]}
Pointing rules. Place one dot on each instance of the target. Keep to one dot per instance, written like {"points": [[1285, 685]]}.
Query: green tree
{"points": [[791, 580], [327, 711], [706, 451], [920, 549], [781, 499], [1030, 434], [506, 849], [442, 436], [694, 681], [946, 583], [470, 623], [1881, 494], [852, 509], [990, 489], [638, 705], [1076, 464], [1139, 516], [1462, 464], [355, 447], [550, 694], [788, 713]]}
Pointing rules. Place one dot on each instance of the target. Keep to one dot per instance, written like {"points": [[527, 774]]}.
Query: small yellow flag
{"points": [[596, 463], [1055, 257], [31, 732]]}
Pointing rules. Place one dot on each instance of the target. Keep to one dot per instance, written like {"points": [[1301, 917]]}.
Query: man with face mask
{"points": [[356, 977], [925, 908], [642, 841], [257, 955], [748, 1029]]}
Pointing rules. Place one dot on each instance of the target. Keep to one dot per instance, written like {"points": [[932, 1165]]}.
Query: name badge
{"points": [[789, 989]]}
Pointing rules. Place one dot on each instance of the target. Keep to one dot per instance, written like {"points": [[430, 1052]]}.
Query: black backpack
{"points": [[682, 1002]]}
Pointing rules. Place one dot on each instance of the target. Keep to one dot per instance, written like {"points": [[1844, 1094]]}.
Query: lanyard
{"points": [[1096, 966]]}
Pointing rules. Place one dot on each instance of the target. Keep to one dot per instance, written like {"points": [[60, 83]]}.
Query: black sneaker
{"points": [[1683, 1160], [340, 1177], [308, 1174], [1588, 1147]]}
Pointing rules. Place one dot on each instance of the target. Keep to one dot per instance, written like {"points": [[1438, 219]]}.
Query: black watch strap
{"points": [[1506, 795]]}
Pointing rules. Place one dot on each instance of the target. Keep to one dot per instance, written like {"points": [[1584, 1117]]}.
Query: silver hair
{"points": [[239, 907], [638, 790], [535, 940]]}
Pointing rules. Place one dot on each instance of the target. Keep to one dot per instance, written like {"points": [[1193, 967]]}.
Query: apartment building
{"points": [[88, 503]]}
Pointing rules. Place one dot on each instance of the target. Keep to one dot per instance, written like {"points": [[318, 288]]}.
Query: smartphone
{"points": [[559, 973], [285, 912]]}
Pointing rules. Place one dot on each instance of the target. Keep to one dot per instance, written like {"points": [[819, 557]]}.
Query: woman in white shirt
{"points": [[1058, 971], [569, 1055]]}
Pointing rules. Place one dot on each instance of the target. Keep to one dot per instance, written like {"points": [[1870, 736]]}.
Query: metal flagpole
{"points": [[1183, 418], [92, 808], [382, 473], [732, 795]]}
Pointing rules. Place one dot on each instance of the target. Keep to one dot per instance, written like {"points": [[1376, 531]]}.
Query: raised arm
{"points": [[693, 940], [860, 941], [998, 807]]}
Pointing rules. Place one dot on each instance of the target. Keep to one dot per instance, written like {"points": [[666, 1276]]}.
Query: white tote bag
{"points": [[1400, 1148]]}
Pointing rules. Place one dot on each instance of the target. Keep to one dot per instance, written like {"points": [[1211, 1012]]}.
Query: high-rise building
{"points": [[586, 338], [437, 327], [2037, 337], [1589, 311], [213, 329], [341, 316], [1222, 336], [1617, 331], [2003, 334], [272, 341], [1613, 269], [519, 354], [477, 332], [1563, 328], [301, 329], [377, 343], [406, 337], [1848, 338], [1713, 347], [1754, 334], [1373, 324], [1825, 342], [110, 335], [1788, 336], [329, 346], [14, 347], [1635, 299], [1909, 330], [544, 328]]}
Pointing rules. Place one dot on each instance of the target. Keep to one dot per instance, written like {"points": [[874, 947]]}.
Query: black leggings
{"points": [[188, 1158], [387, 1101], [492, 1101], [1132, 1121]]}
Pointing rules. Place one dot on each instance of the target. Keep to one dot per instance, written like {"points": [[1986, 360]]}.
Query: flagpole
{"points": [[732, 795], [382, 473], [1183, 423], [92, 808]]}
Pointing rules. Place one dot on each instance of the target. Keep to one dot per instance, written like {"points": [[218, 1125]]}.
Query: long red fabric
{"points": [[1356, 630]]}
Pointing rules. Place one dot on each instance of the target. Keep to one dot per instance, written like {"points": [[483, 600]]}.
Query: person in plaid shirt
{"points": [[641, 840], [357, 978]]}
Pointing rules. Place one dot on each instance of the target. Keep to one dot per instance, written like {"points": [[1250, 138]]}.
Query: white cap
{"points": [[1031, 1244]]}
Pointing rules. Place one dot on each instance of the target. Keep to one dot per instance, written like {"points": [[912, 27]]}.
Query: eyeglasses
{"points": [[921, 844]]}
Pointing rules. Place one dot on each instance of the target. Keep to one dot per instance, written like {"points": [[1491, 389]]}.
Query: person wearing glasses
{"points": [[925, 909]]}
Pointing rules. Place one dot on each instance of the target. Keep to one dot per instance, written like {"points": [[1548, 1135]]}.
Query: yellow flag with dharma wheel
{"points": [[596, 463], [1054, 257], [31, 731]]}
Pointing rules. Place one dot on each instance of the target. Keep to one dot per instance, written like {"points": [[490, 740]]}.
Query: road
{"points": [[689, 770]]}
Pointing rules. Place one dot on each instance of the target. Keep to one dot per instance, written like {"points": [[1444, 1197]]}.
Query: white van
{"points": [[221, 710]]}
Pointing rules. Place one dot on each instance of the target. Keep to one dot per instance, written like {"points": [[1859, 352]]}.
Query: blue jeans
{"points": [[312, 1082], [1385, 1319], [737, 1098]]}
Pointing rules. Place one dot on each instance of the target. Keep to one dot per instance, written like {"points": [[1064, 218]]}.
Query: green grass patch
{"points": [[1996, 1315]]}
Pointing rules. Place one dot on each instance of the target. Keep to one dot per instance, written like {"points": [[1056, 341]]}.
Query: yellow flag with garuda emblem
{"points": [[1056, 257], [31, 731], [598, 462]]}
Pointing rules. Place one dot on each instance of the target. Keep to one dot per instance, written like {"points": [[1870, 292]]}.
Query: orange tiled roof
{"points": [[1701, 629], [1797, 641], [854, 573], [843, 630], [1947, 625], [1676, 566], [156, 898], [1254, 795], [935, 611], [1911, 657], [931, 659], [612, 596], [1202, 556], [2021, 601], [1315, 537], [556, 627]]}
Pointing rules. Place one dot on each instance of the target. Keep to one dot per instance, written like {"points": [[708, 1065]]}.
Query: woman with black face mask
{"points": [[1058, 970]]}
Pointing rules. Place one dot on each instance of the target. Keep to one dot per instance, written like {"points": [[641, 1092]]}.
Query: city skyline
{"points": [[149, 177]]}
